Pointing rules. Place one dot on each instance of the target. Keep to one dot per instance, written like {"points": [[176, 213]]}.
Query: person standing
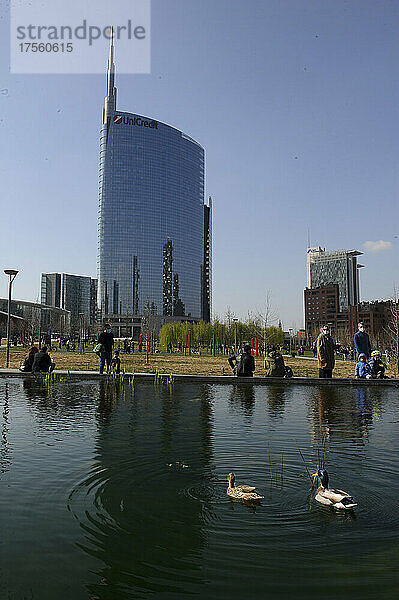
{"points": [[106, 339], [243, 365], [362, 341], [325, 347]]}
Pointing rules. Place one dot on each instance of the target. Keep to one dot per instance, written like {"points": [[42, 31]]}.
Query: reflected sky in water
{"points": [[119, 491]]}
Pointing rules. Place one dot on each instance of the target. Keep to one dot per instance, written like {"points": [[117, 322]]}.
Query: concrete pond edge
{"points": [[215, 379]]}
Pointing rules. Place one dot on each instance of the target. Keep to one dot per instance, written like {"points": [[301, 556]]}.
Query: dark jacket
{"points": [[41, 363], [274, 364], [362, 343], [107, 340], [325, 351], [116, 365], [244, 364], [377, 367]]}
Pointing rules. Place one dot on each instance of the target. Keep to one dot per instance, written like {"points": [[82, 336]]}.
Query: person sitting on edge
{"points": [[42, 362], [274, 363], [28, 362], [244, 364], [116, 363], [362, 369], [362, 342], [106, 338], [377, 367]]}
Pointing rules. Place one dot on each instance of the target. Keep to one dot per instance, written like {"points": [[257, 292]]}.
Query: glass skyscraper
{"points": [[74, 293], [153, 249], [337, 267]]}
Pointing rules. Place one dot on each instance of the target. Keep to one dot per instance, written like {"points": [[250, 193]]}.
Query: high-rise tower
{"points": [[154, 241], [337, 267], [332, 294], [110, 98]]}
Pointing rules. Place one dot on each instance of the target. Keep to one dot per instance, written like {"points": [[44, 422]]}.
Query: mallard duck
{"points": [[241, 492], [331, 497]]}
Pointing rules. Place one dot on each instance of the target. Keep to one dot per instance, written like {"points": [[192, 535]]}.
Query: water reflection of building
{"points": [[147, 523]]}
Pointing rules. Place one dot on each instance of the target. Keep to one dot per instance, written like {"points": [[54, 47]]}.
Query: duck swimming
{"points": [[241, 492], [330, 497]]}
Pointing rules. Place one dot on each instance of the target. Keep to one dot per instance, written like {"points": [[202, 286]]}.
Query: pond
{"points": [[118, 491]]}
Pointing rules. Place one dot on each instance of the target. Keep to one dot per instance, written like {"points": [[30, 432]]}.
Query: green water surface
{"points": [[114, 492]]}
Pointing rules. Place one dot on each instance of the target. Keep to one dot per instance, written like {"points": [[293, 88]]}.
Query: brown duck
{"points": [[244, 493]]}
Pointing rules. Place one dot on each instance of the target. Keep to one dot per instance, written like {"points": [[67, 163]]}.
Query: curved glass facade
{"points": [[151, 219]]}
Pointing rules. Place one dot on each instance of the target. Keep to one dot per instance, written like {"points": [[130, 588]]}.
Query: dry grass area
{"points": [[175, 363]]}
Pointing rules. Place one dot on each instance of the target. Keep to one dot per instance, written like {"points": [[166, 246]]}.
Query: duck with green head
{"points": [[245, 493], [331, 497]]}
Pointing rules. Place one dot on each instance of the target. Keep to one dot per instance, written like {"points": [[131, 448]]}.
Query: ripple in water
{"points": [[148, 528]]}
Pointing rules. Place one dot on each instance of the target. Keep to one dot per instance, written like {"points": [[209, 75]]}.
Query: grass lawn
{"points": [[175, 363]]}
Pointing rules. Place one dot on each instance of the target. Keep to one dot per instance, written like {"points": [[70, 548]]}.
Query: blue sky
{"points": [[296, 104]]}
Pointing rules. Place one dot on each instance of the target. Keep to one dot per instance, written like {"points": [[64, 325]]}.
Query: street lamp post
{"points": [[290, 332], [12, 273], [235, 334]]}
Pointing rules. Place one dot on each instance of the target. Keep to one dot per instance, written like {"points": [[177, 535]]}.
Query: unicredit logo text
{"points": [[135, 121]]}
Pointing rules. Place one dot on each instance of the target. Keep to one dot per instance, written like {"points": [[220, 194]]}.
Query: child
{"points": [[116, 363], [362, 370], [377, 367]]}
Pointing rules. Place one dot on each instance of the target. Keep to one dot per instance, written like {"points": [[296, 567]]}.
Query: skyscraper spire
{"points": [[110, 98]]}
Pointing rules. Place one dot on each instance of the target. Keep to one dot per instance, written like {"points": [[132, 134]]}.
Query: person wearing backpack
{"points": [[244, 364]]}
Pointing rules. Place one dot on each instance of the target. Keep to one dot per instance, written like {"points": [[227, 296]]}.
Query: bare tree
{"points": [[229, 316], [268, 316], [392, 330], [229, 322], [344, 335]]}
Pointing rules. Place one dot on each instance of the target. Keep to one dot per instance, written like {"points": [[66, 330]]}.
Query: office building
{"points": [[74, 293], [321, 307], [206, 269], [27, 317], [338, 267], [332, 297], [333, 292], [154, 241], [50, 290]]}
